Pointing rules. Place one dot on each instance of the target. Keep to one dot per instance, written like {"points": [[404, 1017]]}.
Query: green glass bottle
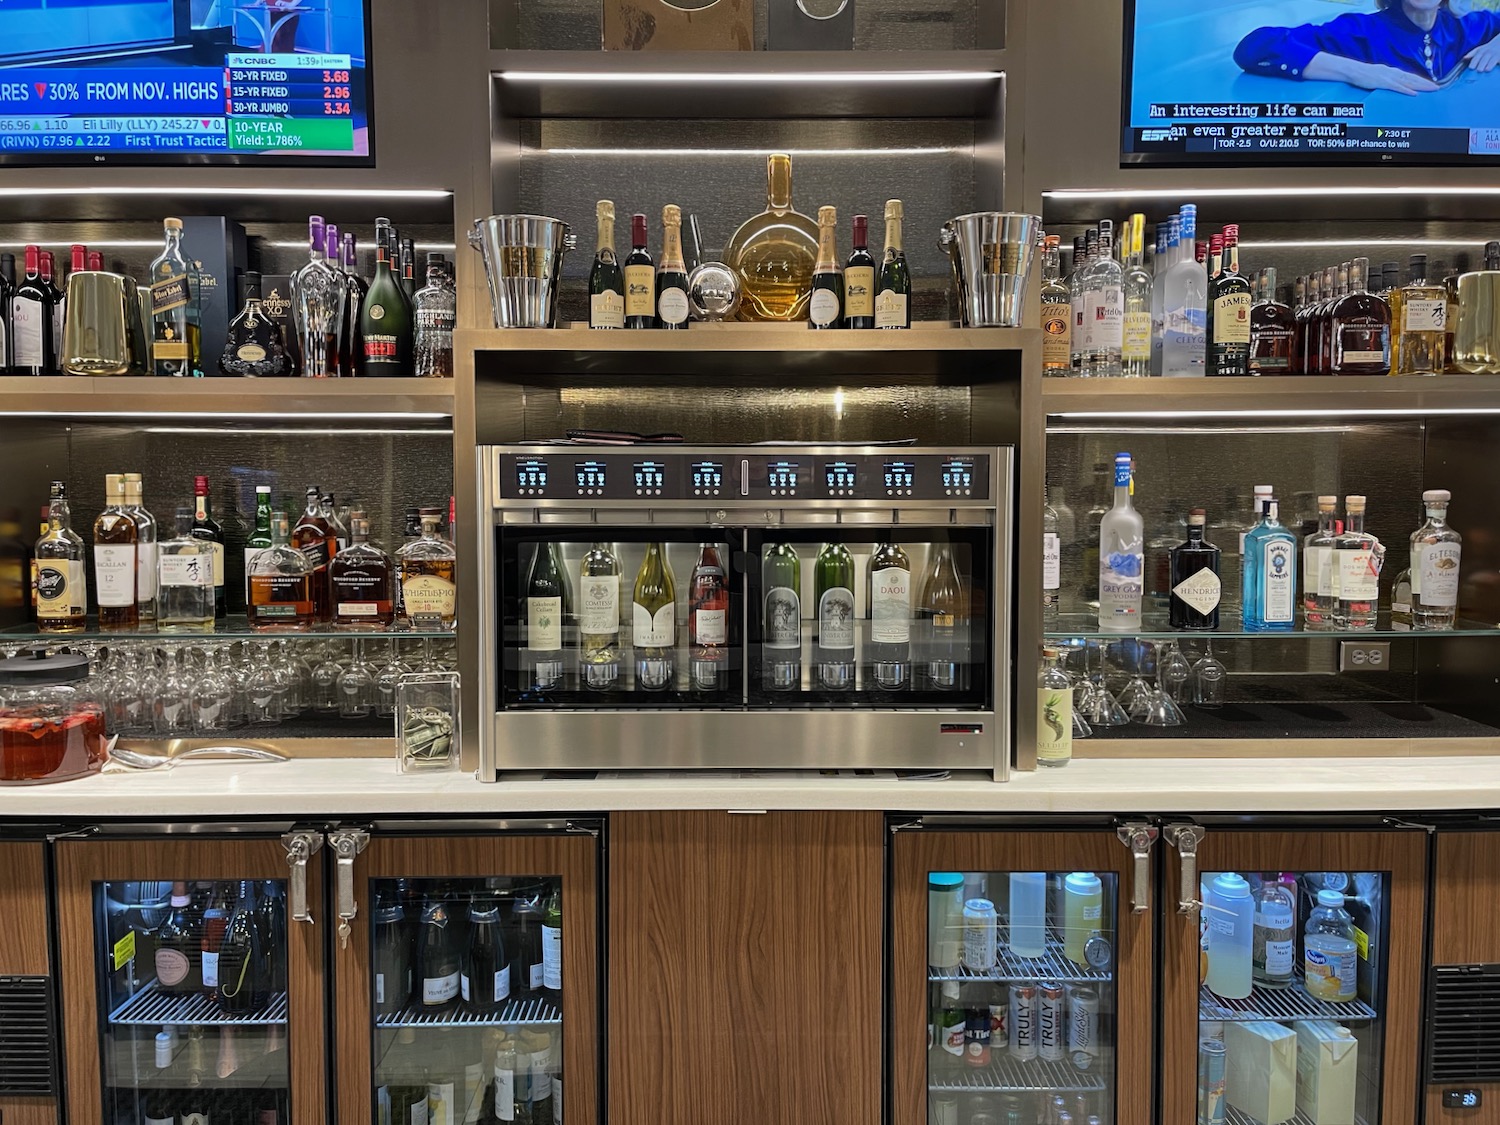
{"points": [[260, 538], [893, 290], [385, 319], [834, 585], [606, 279], [547, 606], [781, 577], [655, 622], [826, 309]]}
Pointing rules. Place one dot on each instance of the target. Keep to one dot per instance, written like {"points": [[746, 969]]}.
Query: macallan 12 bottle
{"points": [[116, 560]]}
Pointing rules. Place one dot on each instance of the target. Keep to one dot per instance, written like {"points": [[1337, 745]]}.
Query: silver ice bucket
{"points": [[523, 256], [992, 253]]}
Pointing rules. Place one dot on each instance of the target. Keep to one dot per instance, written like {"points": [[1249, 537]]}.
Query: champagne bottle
{"points": [[834, 587], [438, 957], [671, 275], [485, 981], [244, 967], [781, 577], [546, 610], [944, 610], [859, 279], [655, 618], [888, 595], [640, 279], [552, 921], [606, 281], [893, 293], [826, 309], [708, 621], [599, 618]]}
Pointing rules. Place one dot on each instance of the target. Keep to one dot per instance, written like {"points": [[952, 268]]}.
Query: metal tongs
{"points": [[139, 761]]}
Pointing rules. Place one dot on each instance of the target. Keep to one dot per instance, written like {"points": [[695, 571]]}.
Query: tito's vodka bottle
{"points": [[1103, 309], [319, 293], [1122, 535]]}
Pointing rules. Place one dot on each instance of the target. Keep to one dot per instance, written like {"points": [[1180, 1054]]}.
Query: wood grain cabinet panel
{"points": [[23, 950], [745, 968]]}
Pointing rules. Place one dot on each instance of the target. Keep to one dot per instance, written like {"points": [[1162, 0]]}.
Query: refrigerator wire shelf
{"points": [[1279, 1005], [537, 1011], [1233, 1116], [1008, 1075], [1053, 966], [150, 1006]]}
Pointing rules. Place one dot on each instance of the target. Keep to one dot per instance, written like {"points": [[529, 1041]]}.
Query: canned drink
{"points": [[977, 1037], [944, 1111], [1051, 1023], [1080, 1107], [1083, 1027], [1211, 1055], [981, 925], [1023, 1022], [999, 1024]]}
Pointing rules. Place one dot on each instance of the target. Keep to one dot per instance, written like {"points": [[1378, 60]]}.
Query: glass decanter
{"points": [[774, 253]]}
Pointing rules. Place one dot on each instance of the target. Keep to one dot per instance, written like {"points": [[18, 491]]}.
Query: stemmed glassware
{"points": [[1136, 698], [212, 696], [172, 700], [390, 677], [356, 685], [325, 680], [1174, 672], [264, 691], [1101, 709], [1209, 675]]}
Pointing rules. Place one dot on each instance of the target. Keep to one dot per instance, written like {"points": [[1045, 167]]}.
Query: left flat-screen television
{"points": [[185, 81]]}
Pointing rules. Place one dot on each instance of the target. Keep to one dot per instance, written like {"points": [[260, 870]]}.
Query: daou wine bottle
{"points": [[889, 601]]}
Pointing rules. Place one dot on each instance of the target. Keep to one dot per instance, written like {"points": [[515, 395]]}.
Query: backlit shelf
{"points": [[536, 1011], [1269, 398], [1008, 1075], [1279, 1005], [151, 1007]]}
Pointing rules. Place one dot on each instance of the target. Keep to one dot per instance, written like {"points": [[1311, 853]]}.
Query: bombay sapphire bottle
{"points": [[319, 293]]}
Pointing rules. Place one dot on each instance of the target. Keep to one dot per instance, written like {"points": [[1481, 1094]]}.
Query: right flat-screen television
{"points": [[1311, 81]]}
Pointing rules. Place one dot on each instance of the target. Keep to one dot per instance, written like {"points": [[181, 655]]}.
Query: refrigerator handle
{"points": [[1185, 838], [1139, 837], [347, 843], [300, 847]]}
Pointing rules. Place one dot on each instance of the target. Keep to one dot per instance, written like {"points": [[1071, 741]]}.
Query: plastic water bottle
{"points": [[1229, 913]]}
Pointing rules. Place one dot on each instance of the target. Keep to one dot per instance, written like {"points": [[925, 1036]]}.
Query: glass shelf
{"points": [[1279, 1005], [538, 1011], [151, 1007], [1154, 626], [1008, 1075], [1053, 967], [231, 628]]}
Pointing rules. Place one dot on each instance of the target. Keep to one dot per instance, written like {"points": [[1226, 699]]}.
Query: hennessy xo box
{"points": [[276, 301], [217, 245]]}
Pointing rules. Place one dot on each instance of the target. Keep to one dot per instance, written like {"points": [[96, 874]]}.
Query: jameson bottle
{"points": [[893, 292], [640, 279], [546, 613], [781, 577], [599, 618], [834, 587], [889, 600], [385, 319], [655, 622], [606, 281], [826, 309], [671, 275], [859, 279]]}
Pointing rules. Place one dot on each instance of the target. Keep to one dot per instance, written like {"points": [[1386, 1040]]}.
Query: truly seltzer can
{"points": [[1051, 1023], [1083, 1027], [1023, 1022]]}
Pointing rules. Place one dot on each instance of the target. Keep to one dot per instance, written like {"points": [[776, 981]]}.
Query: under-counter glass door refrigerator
{"points": [[1292, 968], [1023, 974], [191, 994], [466, 972]]}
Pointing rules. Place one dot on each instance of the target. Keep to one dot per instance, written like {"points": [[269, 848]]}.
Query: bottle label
{"points": [[859, 291], [416, 1115], [536, 976], [250, 353], [1312, 569], [59, 589], [1232, 319], [544, 624], [1201, 591], [1051, 561], [168, 294], [672, 306], [836, 618], [427, 595], [890, 606], [195, 1119], [502, 983], [1054, 728], [541, 1078], [557, 1100], [823, 310], [1280, 583], [169, 349], [1438, 565], [210, 969], [380, 988], [783, 618], [606, 310], [1057, 335], [218, 551], [1279, 957], [382, 349], [658, 630], [505, 1094], [463, 987], [26, 326], [1121, 584], [1358, 576], [186, 570], [1422, 314], [890, 310], [552, 958], [172, 966], [317, 553], [640, 290], [1271, 350], [146, 571], [1136, 343], [599, 605], [1103, 320], [711, 626], [114, 575], [439, 990]]}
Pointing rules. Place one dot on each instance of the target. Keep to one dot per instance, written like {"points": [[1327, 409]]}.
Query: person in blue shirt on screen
{"points": [[1410, 46]]}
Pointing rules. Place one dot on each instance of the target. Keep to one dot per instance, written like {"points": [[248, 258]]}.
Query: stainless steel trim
{"points": [[300, 847], [1139, 837], [1186, 838], [470, 827], [347, 843]]}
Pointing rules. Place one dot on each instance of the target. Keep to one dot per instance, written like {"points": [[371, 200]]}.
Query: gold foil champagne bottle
{"points": [[775, 253]]}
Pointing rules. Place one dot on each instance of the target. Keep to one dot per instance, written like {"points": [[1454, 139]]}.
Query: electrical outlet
{"points": [[1364, 656]]}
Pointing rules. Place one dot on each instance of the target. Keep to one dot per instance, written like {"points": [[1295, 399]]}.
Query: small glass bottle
{"points": [[61, 582], [1054, 725], [826, 308], [1421, 347], [859, 278], [429, 575], [893, 289], [640, 278], [254, 348], [1357, 556], [672, 309], [774, 253], [436, 314], [185, 580], [1057, 314], [1436, 551], [361, 579], [1319, 607], [599, 618], [606, 281]]}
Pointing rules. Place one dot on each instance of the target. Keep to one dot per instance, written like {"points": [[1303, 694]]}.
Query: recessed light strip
{"points": [[936, 150], [1063, 195], [249, 192], [1317, 244], [762, 78], [1367, 412], [235, 415]]}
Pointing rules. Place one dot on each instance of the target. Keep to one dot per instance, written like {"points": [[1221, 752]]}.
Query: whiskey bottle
{"points": [[328, 508], [31, 347], [599, 618], [654, 614], [1057, 314], [362, 580], [859, 278], [207, 528], [774, 253], [116, 560], [315, 538], [606, 282], [61, 588], [1230, 299], [893, 290], [319, 291], [640, 279], [280, 585], [1272, 329], [436, 313], [353, 349], [1359, 329], [1421, 346], [671, 275], [826, 308], [260, 538], [385, 319], [174, 330], [254, 348], [185, 580], [145, 546], [429, 575], [708, 622]]}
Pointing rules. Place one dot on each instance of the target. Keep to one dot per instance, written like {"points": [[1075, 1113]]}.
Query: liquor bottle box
{"points": [[276, 301], [218, 247]]}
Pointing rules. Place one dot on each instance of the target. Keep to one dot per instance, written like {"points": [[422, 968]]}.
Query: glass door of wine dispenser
{"points": [[195, 972]]}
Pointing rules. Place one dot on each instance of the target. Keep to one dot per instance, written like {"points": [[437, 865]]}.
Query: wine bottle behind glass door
{"points": [[552, 964], [708, 622], [599, 618], [438, 957], [781, 627], [888, 596], [547, 607], [654, 635], [485, 982], [834, 590], [392, 953], [526, 945], [179, 947], [244, 966], [944, 609]]}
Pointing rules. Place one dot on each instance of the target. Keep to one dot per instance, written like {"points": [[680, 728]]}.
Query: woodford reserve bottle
{"points": [[361, 579]]}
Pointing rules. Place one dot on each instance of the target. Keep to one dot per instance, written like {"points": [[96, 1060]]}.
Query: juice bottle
{"points": [[1331, 955]]}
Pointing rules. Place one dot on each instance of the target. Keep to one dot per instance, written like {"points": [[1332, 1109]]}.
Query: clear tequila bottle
{"points": [[1318, 604], [1436, 551], [1357, 556]]}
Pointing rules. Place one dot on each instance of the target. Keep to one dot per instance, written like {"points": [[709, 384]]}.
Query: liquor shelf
{"points": [[1051, 966], [535, 1011], [1308, 396], [1153, 626], [1279, 1005], [152, 1007], [285, 399], [923, 336], [232, 628], [1008, 1075]]}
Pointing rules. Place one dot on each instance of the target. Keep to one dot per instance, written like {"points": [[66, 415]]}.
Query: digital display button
{"points": [[898, 477], [590, 477], [781, 478], [708, 478], [649, 476], [1462, 1099], [841, 477], [531, 476], [958, 478]]}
